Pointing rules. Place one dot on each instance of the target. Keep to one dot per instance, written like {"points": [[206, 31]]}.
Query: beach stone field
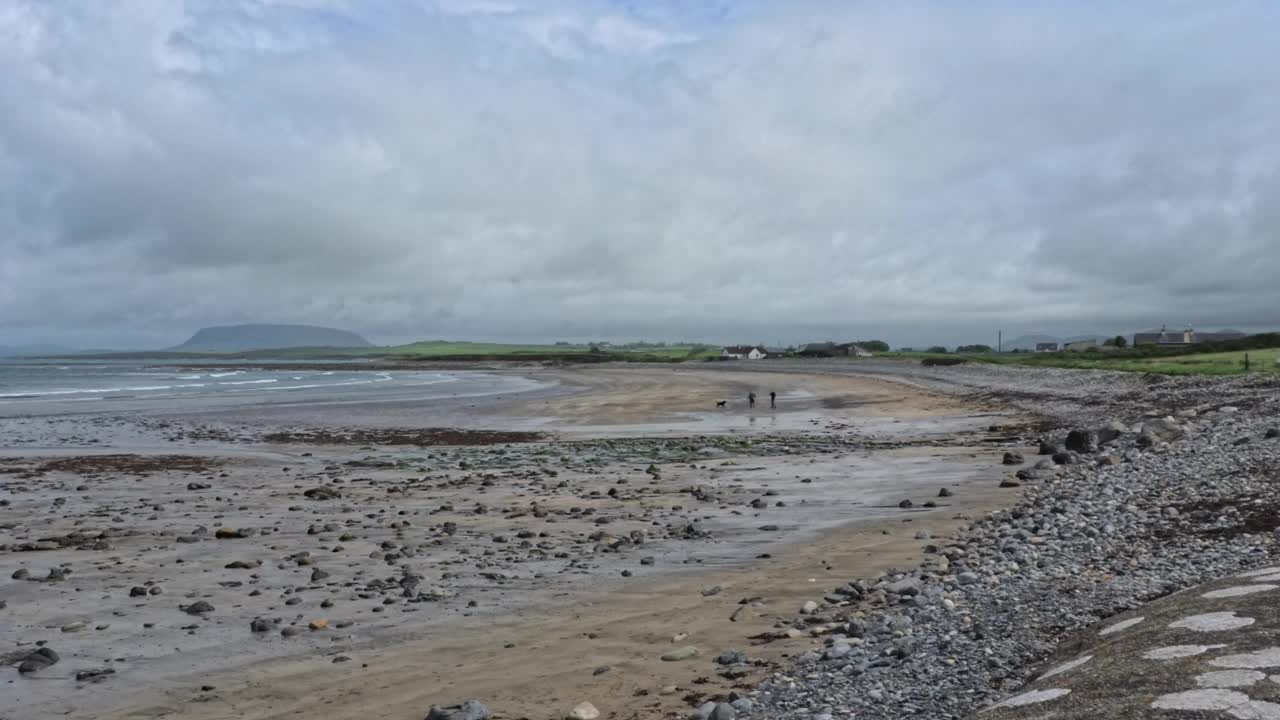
{"points": [[1039, 543]]}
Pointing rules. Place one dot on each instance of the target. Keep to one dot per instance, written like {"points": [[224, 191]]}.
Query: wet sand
{"points": [[510, 573]]}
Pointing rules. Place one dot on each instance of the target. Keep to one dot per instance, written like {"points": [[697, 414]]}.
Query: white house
{"points": [[743, 352]]}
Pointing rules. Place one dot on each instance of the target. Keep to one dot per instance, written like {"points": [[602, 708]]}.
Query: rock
{"points": [[922, 534], [1010, 483], [37, 660], [469, 710], [196, 608], [1162, 430], [317, 575], [21, 574], [723, 711], [1048, 448], [198, 486], [708, 592], [583, 711], [95, 675], [328, 493], [261, 625], [907, 586], [231, 534], [73, 627], [685, 653], [1272, 433], [703, 711], [241, 565], [1082, 441], [906, 504], [731, 657], [944, 492], [1111, 432], [808, 608], [137, 591], [320, 624], [1013, 458], [1109, 460]]}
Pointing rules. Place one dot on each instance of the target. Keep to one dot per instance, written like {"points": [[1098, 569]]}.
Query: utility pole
{"points": [[999, 341]]}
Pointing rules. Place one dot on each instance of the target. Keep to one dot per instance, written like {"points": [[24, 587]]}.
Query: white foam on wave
{"points": [[320, 385], [226, 374], [95, 391], [249, 382]]}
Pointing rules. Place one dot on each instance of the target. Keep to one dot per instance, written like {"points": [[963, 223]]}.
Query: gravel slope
{"points": [[1166, 504]]}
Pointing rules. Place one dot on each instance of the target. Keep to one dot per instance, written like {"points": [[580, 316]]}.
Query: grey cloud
{"points": [[422, 170]]}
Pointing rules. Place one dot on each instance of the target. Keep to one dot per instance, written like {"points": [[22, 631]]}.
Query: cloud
{"points": [[417, 168]]}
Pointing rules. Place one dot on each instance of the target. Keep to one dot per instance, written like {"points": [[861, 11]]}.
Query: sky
{"points": [[924, 172]]}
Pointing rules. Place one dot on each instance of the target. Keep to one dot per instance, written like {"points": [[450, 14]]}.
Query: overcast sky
{"points": [[538, 169]]}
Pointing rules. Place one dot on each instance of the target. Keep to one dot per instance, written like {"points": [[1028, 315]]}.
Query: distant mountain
{"points": [[237, 338]]}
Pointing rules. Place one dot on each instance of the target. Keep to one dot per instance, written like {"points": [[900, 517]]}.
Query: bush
{"points": [[933, 362], [937, 349], [874, 345], [975, 349]]}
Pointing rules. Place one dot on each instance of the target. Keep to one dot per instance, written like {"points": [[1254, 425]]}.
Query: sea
{"points": [[37, 387]]}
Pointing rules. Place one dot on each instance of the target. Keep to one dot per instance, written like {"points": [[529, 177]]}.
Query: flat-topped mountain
{"points": [[237, 338]]}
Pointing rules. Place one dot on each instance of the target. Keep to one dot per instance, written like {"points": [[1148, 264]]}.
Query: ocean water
{"points": [[59, 387]]}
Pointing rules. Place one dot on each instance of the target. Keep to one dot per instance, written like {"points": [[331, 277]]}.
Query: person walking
{"points": [[751, 399], [773, 399]]}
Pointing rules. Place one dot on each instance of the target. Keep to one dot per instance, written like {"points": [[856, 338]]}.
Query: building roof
{"points": [[741, 349]]}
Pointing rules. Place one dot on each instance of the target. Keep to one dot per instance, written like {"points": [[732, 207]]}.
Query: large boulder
{"points": [[1082, 441]]}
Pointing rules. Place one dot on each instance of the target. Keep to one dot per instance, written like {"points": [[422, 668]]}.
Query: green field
{"points": [[1220, 363]]}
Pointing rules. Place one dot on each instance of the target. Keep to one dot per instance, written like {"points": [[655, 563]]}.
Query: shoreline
{"points": [[734, 470], [1098, 531]]}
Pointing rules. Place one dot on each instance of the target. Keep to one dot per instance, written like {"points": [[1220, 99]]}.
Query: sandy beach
{"points": [[532, 549]]}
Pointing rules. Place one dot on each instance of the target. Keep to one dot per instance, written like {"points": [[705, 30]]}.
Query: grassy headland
{"points": [[1223, 358]]}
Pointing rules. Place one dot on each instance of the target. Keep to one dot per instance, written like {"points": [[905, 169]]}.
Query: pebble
{"points": [[685, 653], [583, 711]]}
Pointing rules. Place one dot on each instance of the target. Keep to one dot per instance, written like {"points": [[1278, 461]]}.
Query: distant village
{"points": [[1164, 338], [868, 348], [823, 349]]}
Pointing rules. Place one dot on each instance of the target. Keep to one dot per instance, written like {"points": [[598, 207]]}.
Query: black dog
{"points": [[721, 403]]}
